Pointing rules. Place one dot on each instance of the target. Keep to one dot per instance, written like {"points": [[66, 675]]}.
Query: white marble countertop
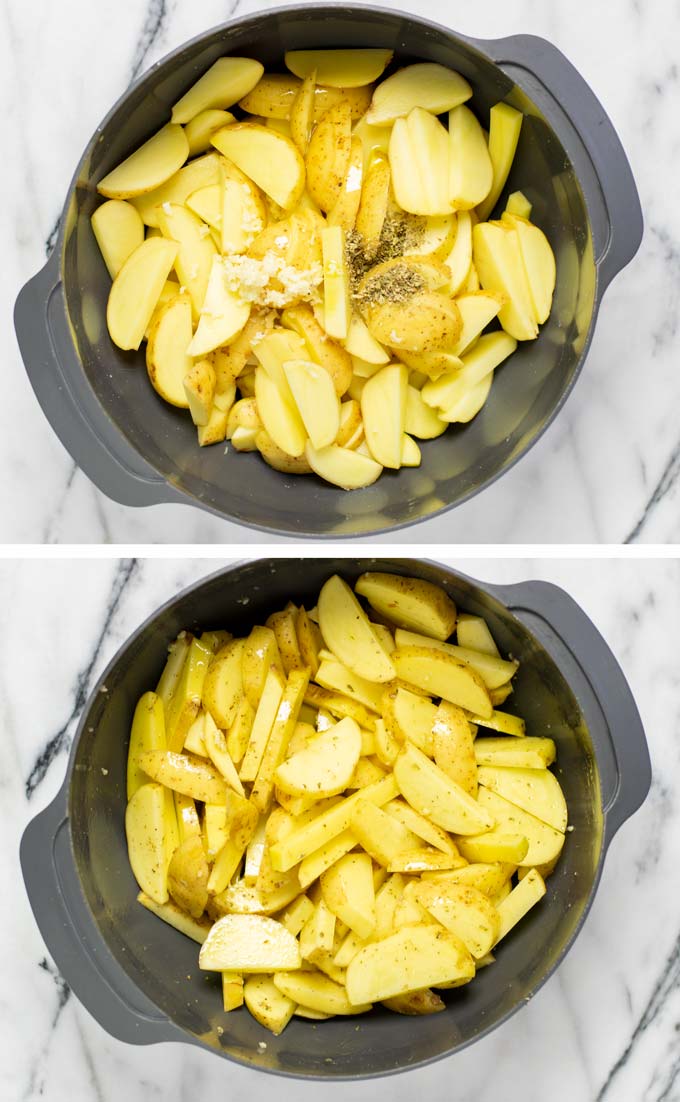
{"points": [[603, 1029], [608, 470]]}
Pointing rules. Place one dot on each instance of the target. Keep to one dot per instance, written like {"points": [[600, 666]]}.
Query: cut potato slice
{"points": [[265, 717], [331, 674], [195, 255], [326, 766], [199, 389], [436, 239], [493, 670], [424, 322], [501, 721], [223, 315], [136, 290], [373, 203], [333, 358], [223, 685], [453, 745], [409, 960], [249, 943], [421, 827], [545, 843], [348, 892], [425, 84], [343, 467], [339, 68], [416, 1003], [228, 80], [185, 773], [317, 403], [268, 158], [383, 409], [535, 790], [469, 404], [428, 789], [419, 160], [361, 344], [145, 828], [216, 747], [267, 1004], [518, 204], [410, 603], [494, 846], [421, 420], [383, 836], [188, 876], [344, 211], [149, 166], [519, 902], [522, 753], [206, 202], [148, 733], [463, 910], [477, 309], [260, 653], [348, 633], [196, 929], [470, 168], [505, 124], [302, 112], [202, 127], [539, 264], [459, 259], [328, 155], [119, 231], [491, 350], [498, 260], [280, 415], [409, 716], [167, 362], [441, 674], [337, 307], [200, 173]]}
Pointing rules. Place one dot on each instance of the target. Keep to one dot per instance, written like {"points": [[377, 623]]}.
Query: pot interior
{"points": [[526, 391], [164, 964]]}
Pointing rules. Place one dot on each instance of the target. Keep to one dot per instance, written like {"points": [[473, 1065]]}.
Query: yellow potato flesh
{"points": [[223, 685], [459, 259], [279, 414], [268, 158], [136, 289], [196, 929], [494, 846], [148, 733], [535, 790], [421, 420], [267, 1004], [409, 603], [539, 264], [348, 633], [519, 902], [195, 254], [265, 717], [167, 361], [206, 202], [441, 674], [374, 199], [339, 68], [199, 389], [149, 166], [202, 127], [317, 403], [498, 260], [545, 843], [325, 767], [349, 893], [464, 911], [493, 670], [200, 173], [428, 789], [453, 746], [337, 308], [419, 160], [228, 80], [380, 834], [223, 314], [146, 841], [522, 753], [518, 204], [425, 84], [470, 168], [383, 409], [332, 674], [249, 943], [119, 231], [184, 773], [188, 876], [505, 124], [477, 310], [488, 353], [469, 404], [413, 958]]}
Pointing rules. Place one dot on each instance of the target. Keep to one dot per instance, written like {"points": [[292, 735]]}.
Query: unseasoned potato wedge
{"points": [[225, 82], [136, 290], [119, 231], [149, 166], [383, 411], [426, 85], [339, 68], [270, 159], [505, 124]]}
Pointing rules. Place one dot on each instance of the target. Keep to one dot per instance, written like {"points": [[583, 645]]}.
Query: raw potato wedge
{"points": [[416, 1002], [410, 716], [333, 358], [441, 674], [186, 773], [424, 322], [519, 902], [383, 409], [119, 231], [188, 876], [260, 652], [460, 258], [348, 633], [518, 204], [199, 173], [493, 670], [326, 766], [534, 790], [268, 158], [373, 203], [265, 717], [505, 124], [202, 127], [520, 753], [145, 828], [419, 160], [421, 420], [470, 168], [225, 82], [348, 892], [409, 960], [339, 68], [425, 84], [314, 394], [195, 254], [410, 603], [494, 846], [279, 413], [328, 155], [463, 910], [453, 746], [477, 309], [249, 943], [136, 290], [331, 674], [148, 733], [431, 792], [149, 166], [223, 685], [539, 264], [267, 1004], [545, 843], [498, 260], [167, 361], [380, 834], [199, 390], [336, 290]]}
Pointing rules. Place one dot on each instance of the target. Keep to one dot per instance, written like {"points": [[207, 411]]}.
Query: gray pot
{"points": [[140, 979], [140, 451]]}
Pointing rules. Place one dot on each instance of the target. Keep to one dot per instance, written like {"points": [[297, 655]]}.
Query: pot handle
{"points": [[622, 737], [579, 119], [72, 938], [89, 436]]}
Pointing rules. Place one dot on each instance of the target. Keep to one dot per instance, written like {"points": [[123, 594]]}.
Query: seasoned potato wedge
{"points": [[249, 943], [428, 789], [410, 603], [409, 960], [328, 155], [267, 1004], [147, 841], [348, 633], [188, 876]]}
